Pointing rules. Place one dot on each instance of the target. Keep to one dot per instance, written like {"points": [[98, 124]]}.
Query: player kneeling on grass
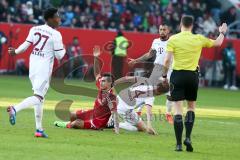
{"points": [[105, 103], [139, 93]]}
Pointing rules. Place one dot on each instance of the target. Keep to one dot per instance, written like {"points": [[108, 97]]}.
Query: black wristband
{"points": [[222, 33]]}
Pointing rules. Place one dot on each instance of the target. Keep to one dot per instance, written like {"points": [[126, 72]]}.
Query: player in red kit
{"points": [[104, 106]]}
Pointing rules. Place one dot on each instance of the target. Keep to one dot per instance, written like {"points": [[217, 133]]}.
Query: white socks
{"points": [[169, 105], [26, 103], [38, 111], [127, 126]]}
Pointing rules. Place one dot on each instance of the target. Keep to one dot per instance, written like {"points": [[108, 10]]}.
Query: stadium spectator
{"points": [[3, 10], [29, 8], [229, 65], [21, 68], [130, 15], [3, 40], [209, 24], [229, 16], [68, 16], [214, 7], [74, 53]]}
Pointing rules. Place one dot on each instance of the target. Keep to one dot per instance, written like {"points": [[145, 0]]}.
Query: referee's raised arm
{"points": [[185, 48]]}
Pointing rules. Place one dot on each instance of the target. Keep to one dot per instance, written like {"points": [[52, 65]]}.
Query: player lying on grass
{"points": [[140, 92], [158, 49], [104, 106], [47, 44]]}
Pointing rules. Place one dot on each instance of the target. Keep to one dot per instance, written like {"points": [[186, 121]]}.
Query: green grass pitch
{"points": [[216, 134]]}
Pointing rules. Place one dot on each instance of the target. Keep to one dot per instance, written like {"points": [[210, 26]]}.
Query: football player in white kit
{"points": [[142, 91], [47, 44], [159, 48]]}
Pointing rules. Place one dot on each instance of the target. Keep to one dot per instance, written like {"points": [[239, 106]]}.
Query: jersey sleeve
{"points": [[206, 42], [30, 36], [170, 45], [58, 46]]}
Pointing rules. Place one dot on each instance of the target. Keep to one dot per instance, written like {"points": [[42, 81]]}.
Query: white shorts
{"points": [[39, 85], [131, 117], [127, 112]]}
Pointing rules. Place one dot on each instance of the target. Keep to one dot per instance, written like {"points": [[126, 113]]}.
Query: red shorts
{"points": [[84, 115], [89, 121], [88, 125], [95, 124]]}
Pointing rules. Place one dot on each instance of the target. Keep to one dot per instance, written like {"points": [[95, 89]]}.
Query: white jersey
{"points": [[133, 96], [160, 47], [47, 44]]}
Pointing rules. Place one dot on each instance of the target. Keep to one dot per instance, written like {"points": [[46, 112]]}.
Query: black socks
{"points": [[178, 128], [189, 121]]}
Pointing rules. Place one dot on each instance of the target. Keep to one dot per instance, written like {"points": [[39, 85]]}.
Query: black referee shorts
{"points": [[185, 85]]}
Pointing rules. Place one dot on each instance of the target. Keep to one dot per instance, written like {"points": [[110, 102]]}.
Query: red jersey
{"points": [[98, 117], [104, 104]]}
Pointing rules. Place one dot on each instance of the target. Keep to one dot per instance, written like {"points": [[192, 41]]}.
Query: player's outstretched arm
{"points": [[97, 68], [112, 104], [143, 58], [222, 30], [126, 79], [150, 129], [116, 121], [22, 48]]}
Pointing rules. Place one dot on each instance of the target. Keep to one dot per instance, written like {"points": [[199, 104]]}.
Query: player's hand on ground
{"points": [[116, 131], [96, 51], [151, 131], [11, 51], [131, 62], [223, 28]]}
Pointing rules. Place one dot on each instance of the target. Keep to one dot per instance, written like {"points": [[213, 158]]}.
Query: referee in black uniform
{"points": [[186, 48]]}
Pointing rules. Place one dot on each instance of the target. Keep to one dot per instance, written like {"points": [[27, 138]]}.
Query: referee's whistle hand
{"points": [[223, 28]]}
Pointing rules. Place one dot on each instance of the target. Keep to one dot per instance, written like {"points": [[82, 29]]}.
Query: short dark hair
{"points": [[109, 76], [187, 21], [119, 33], [49, 13], [165, 23]]}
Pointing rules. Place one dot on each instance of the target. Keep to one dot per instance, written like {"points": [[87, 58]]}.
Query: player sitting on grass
{"points": [[105, 103], [140, 92]]}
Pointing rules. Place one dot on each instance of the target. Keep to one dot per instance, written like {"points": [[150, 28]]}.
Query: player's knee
{"points": [[141, 127], [77, 124], [41, 98], [73, 116], [191, 106]]}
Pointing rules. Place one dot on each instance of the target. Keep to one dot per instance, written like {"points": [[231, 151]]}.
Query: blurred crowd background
{"points": [[134, 16], [129, 15]]}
